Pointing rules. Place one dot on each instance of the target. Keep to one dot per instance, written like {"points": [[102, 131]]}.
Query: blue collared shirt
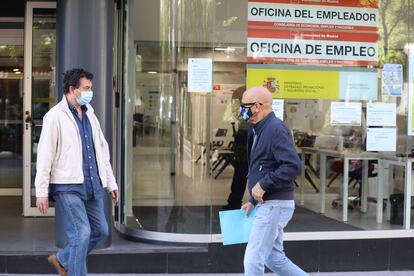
{"points": [[92, 187]]}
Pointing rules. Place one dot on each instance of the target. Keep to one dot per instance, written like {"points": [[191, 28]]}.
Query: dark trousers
{"points": [[238, 184]]}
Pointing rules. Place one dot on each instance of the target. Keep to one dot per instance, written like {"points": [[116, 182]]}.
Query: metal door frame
{"points": [[28, 210]]}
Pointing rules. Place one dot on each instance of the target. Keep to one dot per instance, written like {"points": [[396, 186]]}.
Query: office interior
{"points": [[193, 157]]}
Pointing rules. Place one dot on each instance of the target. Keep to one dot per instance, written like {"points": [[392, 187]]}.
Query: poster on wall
{"points": [[313, 32], [152, 103], [278, 108], [325, 83], [392, 80], [200, 75], [381, 114], [346, 113], [381, 139], [358, 84]]}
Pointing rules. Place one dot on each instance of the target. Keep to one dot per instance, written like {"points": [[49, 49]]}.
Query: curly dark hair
{"points": [[72, 78]]}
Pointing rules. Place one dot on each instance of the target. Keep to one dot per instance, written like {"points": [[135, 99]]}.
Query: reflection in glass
{"points": [[43, 71], [11, 104], [179, 149], [166, 190]]}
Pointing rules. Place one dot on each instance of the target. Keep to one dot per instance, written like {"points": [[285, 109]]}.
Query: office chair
{"points": [[225, 156], [213, 145]]}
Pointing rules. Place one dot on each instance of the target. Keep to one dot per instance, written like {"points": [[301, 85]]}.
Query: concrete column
{"points": [[85, 40]]}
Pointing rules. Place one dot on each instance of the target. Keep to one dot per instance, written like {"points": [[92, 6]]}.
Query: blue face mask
{"points": [[246, 113], [86, 97]]}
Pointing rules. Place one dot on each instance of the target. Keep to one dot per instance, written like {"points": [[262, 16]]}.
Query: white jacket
{"points": [[59, 153]]}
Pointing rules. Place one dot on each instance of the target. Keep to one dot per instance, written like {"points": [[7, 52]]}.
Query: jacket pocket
{"points": [[268, 166]]}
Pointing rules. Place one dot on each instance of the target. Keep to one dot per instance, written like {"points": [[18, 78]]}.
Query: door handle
{"points": [[28, 119]]}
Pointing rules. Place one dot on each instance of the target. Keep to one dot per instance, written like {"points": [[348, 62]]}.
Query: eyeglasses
{"points": [[249, 105]]}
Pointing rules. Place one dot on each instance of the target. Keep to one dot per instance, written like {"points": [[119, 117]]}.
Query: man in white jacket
{"points": [[73, 169]]}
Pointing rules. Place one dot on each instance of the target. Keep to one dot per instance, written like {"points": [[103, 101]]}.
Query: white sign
{"points": [[381, 139], [152, 103], [392, 80], [308, 16], [312, 51], [200, 75], [358, 85], [278, 108], [381, 114], [346, 113], [313, 32]]}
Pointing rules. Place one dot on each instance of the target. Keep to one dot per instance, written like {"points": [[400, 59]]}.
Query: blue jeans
{"points": [[265, 245], [85, 225]]}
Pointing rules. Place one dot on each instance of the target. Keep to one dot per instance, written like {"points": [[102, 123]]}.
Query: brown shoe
{"points": [[53, 261]]}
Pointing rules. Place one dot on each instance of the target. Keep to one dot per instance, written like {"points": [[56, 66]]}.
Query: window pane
{"points": [[185, 152], [168, 129], [11, 105]]}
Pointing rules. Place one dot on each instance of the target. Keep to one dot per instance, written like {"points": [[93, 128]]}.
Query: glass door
{"points": [[11, 105], [39, 89]]}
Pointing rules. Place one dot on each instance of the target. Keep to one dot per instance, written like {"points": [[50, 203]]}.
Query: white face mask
{"points": [[85, 98]]}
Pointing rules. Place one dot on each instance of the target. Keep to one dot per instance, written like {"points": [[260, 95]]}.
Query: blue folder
{"points": [[235, 227]]}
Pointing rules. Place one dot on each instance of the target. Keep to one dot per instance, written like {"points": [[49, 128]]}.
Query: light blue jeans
{"points": [[265, 246], [85, 225]]}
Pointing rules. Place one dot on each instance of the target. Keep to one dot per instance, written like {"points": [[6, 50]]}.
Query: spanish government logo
{"points": [[272, 84]]}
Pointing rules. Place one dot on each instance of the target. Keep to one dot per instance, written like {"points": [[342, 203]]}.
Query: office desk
{"points": [[395, 161], [346, 156]]}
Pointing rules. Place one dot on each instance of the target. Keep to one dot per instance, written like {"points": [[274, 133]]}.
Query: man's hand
{"points": [[258, 192], [247, 206], [42, 203], [115, 196]]}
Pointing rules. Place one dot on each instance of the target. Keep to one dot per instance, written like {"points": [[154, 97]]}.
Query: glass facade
{"points": [[168, 126], [43, 91], [179, 149], [11, 104], [27, 92]]}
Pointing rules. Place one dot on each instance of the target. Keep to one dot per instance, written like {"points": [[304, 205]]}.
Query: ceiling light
{"points": [[228, 49], [16, 69], [152, 72]]}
